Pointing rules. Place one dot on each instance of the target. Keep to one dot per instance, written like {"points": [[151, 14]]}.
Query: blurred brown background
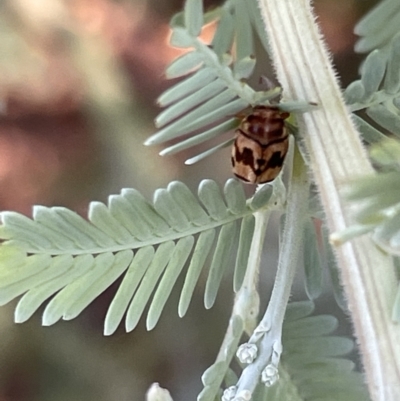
{"points": [[78, 84]]}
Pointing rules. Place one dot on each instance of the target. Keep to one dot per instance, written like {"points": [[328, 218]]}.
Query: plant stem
{"points": [[247, 300], [336, 155], [268, 333]]}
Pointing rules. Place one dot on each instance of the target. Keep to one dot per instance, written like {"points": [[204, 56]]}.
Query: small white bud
{"points": [[244, 395], [270, 375], [247, 352], [156, 393], [229, 393]]}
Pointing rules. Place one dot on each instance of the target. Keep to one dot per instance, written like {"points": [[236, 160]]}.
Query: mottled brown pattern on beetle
{"points": [[261, 145]]}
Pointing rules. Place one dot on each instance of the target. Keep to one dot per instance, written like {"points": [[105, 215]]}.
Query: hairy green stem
{"points": [[267, 336], [247, 300], [336, 155]]}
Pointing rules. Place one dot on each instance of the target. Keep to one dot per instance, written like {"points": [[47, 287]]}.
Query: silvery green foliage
{"points": [[378, 90], [213, 89], [378, 27], [312, 365], [59, 253], [375, 199], [375, 203]]}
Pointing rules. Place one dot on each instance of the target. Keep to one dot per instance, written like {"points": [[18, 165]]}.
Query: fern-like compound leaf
{"points": [[378, 90], [374, 201], [61, 255], [312, 360], [312, 365], [213, 90]]}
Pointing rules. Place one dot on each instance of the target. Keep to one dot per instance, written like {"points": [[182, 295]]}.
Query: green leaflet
{"points": [[355, 92], [392, 78], [299, 310], [189, 205], [210, 195], [244, 67], [246, 236], [184, 64], [244, 34], [312, 326], [373, 72], [60, 254], [193, 14], [224, 35], [226, 242], [209, 152]]}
